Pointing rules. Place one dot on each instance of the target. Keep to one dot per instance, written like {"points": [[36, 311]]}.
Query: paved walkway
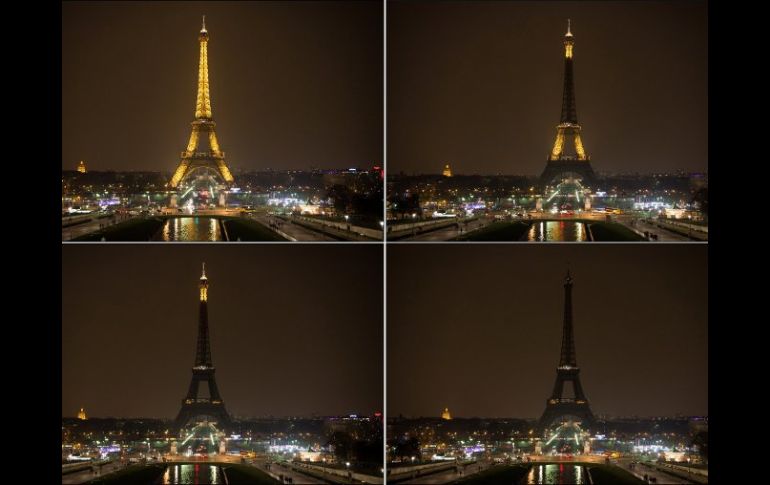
{"points": [[76, 478], [277, 470], [449, 232], [295, 231], [449, 476], [663, 235], [68, 233], [639, 470]]}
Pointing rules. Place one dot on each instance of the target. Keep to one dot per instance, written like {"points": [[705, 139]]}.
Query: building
{"points": [[82, 413], [82, 167], [446, 415], [447, 171]]}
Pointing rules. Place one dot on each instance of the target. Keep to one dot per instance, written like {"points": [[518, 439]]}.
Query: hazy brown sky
{"points": [[479, 329], [295, 329], [293, 84], [479, 84]]}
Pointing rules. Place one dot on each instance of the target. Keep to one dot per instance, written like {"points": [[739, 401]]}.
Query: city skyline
{"points": [[293, 85], [480, 346], [641, 84], [285, 322]]}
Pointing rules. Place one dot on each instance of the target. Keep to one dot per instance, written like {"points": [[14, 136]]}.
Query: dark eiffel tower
{"points": [[195, 407], [564, 162], [568, 372]]}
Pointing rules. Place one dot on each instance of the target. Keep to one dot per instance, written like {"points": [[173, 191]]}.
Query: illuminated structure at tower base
{"points": [[569, 194]]}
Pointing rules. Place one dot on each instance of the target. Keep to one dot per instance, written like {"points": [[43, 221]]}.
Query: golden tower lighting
{"points": [[568, 125], [197, 156]]}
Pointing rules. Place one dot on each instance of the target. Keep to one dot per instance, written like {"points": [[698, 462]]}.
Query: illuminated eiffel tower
{"points": [[568, 160], [203, 153]]}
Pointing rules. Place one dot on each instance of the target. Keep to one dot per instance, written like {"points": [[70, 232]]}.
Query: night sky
{"points": [[479, 85], [479, 331], [295, 330], [294, 85]]}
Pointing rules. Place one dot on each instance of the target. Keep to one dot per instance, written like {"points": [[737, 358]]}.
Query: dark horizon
{"points": [[293, 84], [483, 333], [455, 174], [295, 330], [478, 85]]}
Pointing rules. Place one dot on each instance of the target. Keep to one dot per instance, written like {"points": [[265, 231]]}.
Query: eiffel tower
{"points": [[203, 153], [564, 162], [568, 372], [194, 407]]}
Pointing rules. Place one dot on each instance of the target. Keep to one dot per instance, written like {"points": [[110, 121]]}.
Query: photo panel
{"points": [[222, 364], [222, 121], [547, 121], [547, 363]]}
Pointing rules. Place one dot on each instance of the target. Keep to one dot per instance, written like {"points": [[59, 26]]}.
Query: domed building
{"points": [[446, 415]]}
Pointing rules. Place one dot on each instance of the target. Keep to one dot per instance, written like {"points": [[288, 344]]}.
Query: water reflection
{"points": [[557, 231], [191, 229], [192, 473], [556, 473]]}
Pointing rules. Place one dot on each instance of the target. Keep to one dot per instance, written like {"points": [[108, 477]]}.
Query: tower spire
{"points": [[204, 287], [203, 352], [203, 99], [567, 339], [568, 34]]}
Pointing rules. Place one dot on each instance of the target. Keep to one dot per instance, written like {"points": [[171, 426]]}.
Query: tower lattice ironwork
{"points": [[558, 405], [195, 406], [568, 159], [203, 150]]}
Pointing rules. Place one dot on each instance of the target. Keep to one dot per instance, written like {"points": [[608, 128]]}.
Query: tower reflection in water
{"points": [[193, 473]]}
